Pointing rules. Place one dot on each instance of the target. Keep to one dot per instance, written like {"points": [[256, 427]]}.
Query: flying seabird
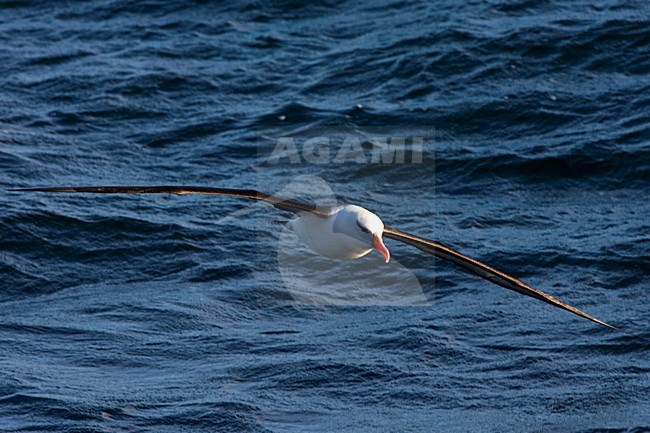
{"points": [[342, 232]]}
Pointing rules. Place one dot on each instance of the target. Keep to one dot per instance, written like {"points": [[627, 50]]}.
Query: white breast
{"points": [[319, 235]]}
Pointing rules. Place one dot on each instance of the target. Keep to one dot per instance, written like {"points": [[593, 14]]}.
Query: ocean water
{"points": [[203, 314]]}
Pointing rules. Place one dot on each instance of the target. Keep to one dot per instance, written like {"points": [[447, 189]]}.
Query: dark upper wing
{"points": [[485, 271], [278, 202]]}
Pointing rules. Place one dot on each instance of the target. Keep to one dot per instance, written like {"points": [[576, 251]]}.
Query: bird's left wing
{"points": [[484, 271], [278, 202]]}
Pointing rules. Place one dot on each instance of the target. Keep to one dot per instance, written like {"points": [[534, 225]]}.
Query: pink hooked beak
{"points": [[378, 244]]}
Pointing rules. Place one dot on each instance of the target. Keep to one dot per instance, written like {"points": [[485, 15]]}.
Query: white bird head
{"points": [[363, 227]]}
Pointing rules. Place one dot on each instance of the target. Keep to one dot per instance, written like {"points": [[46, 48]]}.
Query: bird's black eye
{"points": [[363, 229]]}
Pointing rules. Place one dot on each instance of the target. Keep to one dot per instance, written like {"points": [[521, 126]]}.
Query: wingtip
{"points": [[615, 328], [23, 189], [55, 189], [589, 317]]}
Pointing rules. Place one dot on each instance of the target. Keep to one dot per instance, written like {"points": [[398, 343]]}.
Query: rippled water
{"points": [[190, 313]]}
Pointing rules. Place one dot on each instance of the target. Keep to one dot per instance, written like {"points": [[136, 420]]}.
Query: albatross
{"points": [[342, 232]]}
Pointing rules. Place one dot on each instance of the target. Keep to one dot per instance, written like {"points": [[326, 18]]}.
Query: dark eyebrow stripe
{"points": [[362, 227]]}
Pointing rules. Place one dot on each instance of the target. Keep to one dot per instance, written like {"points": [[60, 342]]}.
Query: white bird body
{"points": [[339, 236]]}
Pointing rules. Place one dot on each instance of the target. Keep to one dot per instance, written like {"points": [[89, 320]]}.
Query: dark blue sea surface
{"points": [[203, 314]]}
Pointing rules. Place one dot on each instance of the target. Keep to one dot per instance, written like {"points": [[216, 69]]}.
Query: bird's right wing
{"points": [[484, 271]]}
